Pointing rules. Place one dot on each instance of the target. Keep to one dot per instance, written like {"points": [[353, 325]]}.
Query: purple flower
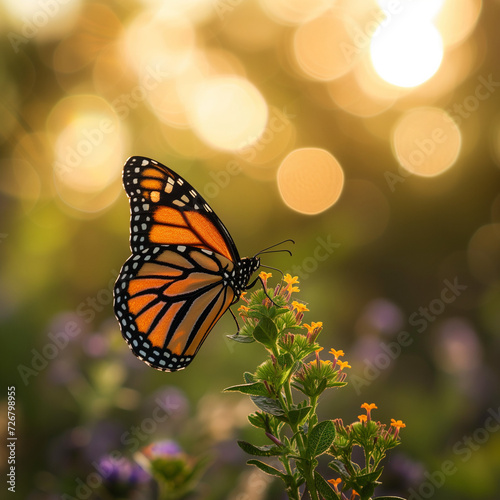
{"points": [[122, 471], [163, 449]]}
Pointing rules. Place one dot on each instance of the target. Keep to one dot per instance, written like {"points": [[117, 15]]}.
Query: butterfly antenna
{"points": [[274, 269], [268, 249]]}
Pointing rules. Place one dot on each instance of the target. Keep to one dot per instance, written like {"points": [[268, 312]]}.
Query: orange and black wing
{"points": [[167, 300], [184, 271], [167, 210]]}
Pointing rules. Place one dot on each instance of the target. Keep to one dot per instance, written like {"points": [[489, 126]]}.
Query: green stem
{"points": [[313, 419], [311, 485]]}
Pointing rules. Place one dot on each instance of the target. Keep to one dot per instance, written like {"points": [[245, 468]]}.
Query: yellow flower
{"points": [[313, 326], [335, 353], [398, 424], [289, 280], [299, 307], [243, 308], [295, 289], [264, 276], [362, 418], [343, 364], [369, 408]]}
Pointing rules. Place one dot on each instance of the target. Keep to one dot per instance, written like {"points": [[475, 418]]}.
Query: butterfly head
{"points": [[244, 269]]}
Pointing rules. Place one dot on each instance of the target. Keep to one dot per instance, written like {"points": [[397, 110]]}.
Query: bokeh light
{"points": [[159, 43], [228, 112], [457, 19], [320, 47], [38, 23], [310, 180], [365, 130], [426, 141], [407, 53]]}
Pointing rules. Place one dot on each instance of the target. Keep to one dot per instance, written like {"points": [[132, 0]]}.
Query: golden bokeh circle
{"points": [[310, 180]]}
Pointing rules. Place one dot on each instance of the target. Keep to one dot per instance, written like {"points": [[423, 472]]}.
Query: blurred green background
{"points": [[367, 131]]}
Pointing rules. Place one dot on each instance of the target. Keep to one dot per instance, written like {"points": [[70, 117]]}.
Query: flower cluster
{"points": [[273, 318]]}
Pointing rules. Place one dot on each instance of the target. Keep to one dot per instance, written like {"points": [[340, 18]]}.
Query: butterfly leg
{"points": [[252, 284], [236, 321]]}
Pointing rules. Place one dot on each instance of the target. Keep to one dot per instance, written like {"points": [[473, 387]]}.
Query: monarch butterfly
{"points": [[184, 271]]}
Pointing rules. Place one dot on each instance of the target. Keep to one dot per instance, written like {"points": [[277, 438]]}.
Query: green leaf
{"points": [[265, 468], [289, 480], [258, 420], [270, 450], [339, 467], [320, 438], [321, 387], [296, 417], [253, 389], [324, 488], [242, 339], [369, 478], [268, 405], [248, 377], [266, 332]]}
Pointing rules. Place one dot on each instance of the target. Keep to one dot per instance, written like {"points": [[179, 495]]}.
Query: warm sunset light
{"points": [[310, 180]]}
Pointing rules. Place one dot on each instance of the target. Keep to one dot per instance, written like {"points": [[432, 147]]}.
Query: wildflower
{"points": [[369, 408], [299, 306], [243, 297], [243, 309], [289, 280], [264, 277], [397, 424], [162, 449], [335, 483], [362, 418], [313, 330], [121, 474], [336, 354], [343, 364]]}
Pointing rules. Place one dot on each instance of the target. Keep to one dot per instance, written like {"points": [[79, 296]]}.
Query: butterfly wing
{"points": [[167, 210], [184, 271], [168, 301]]}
